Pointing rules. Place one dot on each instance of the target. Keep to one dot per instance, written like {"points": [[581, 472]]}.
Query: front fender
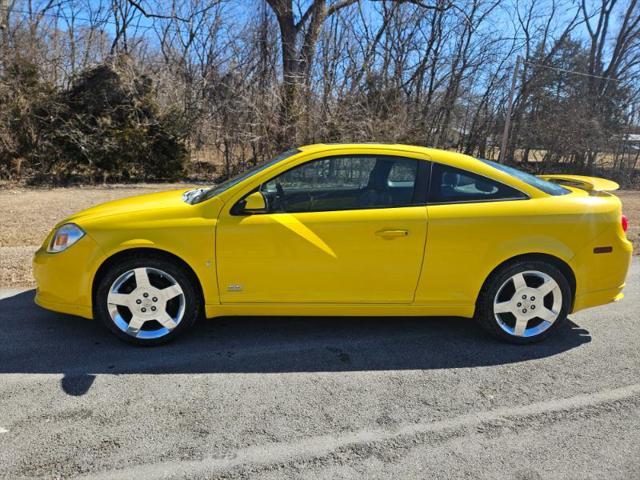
{"points": [[192, 239]]}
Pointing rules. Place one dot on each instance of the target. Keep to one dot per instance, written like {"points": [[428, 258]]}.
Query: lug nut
{"points": [[533, 307], [155, 299], [519, 304], [145, 295], [153, 309], [524, 297], [138, 301], [524, 310], [143, 309], [533, 298]]}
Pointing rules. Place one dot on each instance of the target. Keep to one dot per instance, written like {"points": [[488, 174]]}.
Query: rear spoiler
{"points": [[590, 184]]}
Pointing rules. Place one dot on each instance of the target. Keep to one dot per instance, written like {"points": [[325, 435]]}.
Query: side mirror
{"points": [[255, 203]]}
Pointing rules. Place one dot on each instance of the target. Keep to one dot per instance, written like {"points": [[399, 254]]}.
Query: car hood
{"points": [[150, 201]]}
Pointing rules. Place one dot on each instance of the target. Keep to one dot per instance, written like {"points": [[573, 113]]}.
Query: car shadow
{"points": [[34, 340]]}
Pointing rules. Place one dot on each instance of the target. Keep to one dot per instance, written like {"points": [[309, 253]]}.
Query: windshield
{"points": [[546, 187], [227, 184]]}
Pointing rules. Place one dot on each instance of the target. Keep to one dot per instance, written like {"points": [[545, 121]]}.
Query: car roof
{"points": [[445, 156], [366, 145]]}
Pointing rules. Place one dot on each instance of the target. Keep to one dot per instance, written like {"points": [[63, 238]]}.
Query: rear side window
{"points": [[453, 185], [546, 187]]}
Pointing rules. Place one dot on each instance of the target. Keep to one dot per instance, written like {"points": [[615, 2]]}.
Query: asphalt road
{"points": [[309, 398]]}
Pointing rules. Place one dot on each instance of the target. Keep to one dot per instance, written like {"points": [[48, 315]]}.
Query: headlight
{"points": [[64, 237]]}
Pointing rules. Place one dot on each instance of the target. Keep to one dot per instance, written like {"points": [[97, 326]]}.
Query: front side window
{"points": [[343, 183], [454, 185]]}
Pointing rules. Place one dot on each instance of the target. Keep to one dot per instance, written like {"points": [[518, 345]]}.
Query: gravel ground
{"points": [[292, 398]]}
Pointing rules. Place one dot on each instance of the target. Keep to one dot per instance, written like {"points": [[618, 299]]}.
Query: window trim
{"points": [[420, 189], [525, 196]]}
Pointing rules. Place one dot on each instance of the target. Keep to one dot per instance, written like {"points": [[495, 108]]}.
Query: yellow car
{"points": [[354, 229]]}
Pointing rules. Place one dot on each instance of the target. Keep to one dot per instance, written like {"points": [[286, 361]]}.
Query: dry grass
{"points": [[29, 214]]}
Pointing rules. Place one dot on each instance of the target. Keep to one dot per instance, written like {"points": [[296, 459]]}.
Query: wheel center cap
{"points": [[526, 301]]}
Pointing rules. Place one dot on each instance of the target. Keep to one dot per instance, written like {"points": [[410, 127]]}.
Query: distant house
{"points": [[631, 141]]}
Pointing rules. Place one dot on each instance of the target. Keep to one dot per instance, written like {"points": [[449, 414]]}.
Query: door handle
{"points": [[392, 233]]}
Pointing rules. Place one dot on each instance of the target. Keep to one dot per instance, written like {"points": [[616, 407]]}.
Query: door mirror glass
{"points": [[255, 203]]}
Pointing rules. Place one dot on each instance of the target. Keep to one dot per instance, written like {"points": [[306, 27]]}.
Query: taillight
{"points": [[625, 223]]}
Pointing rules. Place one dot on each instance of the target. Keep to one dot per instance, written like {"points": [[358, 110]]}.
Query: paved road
{"points": [[321, 398]]}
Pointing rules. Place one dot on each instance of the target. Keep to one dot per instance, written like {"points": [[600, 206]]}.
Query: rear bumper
{"points": [[600, 297], [600, 277]]}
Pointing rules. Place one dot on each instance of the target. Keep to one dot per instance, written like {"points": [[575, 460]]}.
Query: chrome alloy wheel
{"points": [[527, 303], [146, 303]]}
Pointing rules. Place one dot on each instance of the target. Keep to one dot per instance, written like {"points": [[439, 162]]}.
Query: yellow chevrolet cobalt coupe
{"points": [[345, 230]]}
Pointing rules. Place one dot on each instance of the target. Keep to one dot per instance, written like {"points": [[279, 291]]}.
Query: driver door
{"points": [[337, 230]]}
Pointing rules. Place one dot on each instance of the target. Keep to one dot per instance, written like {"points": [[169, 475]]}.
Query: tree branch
{"points": [[141, 9]]}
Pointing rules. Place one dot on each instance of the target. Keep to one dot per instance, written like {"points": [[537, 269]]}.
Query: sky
{"points": [[239, 12]]}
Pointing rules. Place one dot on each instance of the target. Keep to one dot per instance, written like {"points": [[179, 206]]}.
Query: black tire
{"points": [[192, 296], [485, 306]]}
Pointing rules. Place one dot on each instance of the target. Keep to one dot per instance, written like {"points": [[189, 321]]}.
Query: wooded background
{"points": [[132, 90]]}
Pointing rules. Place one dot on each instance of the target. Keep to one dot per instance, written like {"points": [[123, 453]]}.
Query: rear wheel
{"points": [[147, 300], [524, 302]]}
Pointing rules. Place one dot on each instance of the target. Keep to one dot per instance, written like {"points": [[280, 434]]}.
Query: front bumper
{"points": [[64, 280]]}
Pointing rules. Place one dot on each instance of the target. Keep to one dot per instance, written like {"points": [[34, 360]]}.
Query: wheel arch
{"points": [[557, 262], [144, 251]]}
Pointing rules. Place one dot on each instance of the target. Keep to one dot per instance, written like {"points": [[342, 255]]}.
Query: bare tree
{"points": [[295, 71]]}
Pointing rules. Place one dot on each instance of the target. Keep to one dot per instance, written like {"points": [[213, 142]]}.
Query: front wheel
{"points": [[146, 300], [524, 302]]}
